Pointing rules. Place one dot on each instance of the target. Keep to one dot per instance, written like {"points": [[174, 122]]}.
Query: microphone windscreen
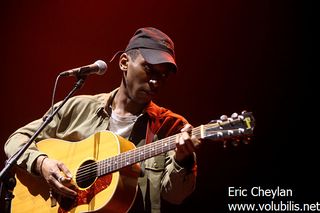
{"points": [[102, 67]]}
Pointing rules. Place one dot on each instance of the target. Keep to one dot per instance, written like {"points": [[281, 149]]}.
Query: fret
{"points": [[100, 168]]}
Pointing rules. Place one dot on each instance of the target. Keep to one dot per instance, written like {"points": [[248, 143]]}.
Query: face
{"points": [[143, 80]]}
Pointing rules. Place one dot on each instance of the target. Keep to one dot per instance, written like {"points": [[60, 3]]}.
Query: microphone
{"points": [[99, 67]]}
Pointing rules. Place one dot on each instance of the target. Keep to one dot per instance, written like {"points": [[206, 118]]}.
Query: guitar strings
{"points": [[123, 159]]}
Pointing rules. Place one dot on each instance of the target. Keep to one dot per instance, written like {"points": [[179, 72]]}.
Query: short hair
{"points": [[133, 53]]}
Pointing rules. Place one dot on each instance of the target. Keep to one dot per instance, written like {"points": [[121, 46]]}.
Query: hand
{"points": [[56, 174], [186, 144]]}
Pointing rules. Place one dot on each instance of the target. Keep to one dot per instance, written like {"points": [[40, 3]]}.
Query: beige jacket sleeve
{"points": [[21, 136], [76, 120]]}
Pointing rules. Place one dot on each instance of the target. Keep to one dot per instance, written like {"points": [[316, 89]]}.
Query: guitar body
{"points": [[113, 192]]}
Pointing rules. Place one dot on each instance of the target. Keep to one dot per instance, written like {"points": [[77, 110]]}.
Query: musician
{"points": [[128, 111]]}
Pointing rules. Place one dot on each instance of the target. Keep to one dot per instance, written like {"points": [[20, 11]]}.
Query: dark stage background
{"points": [[232, 56]]}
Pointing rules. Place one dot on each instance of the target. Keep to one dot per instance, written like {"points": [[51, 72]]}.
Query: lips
{"points": [[151, 93]]}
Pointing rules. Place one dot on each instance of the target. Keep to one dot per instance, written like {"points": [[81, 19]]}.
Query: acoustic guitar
{"points": [[105, 168]]}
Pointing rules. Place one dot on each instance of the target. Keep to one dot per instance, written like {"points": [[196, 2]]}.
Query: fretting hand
{"points": [[186, 144]]}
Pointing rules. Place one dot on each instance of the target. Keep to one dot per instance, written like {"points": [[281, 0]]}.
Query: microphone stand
{"points": [[7, 178]]}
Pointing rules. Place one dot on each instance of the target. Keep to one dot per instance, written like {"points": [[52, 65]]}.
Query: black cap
{"points": [[155, 46]]}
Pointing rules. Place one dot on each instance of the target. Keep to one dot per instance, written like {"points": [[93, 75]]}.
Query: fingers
{"points": [[195, 141], [186, 138], [58, 183], [187, 128], [186, 143], [65, 170], [58, 177]]}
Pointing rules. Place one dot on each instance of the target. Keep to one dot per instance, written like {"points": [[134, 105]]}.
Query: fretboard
{"points": [[139, 154]]}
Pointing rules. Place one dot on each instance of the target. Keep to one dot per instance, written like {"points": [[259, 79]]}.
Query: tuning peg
{"points": [[243, 112], [219, 134], [230, 132], [223, 117], [219, 122], [241, 130], [234, 115]]}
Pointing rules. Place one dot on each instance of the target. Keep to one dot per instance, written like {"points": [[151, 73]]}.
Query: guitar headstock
{"points": [[233, 129]]}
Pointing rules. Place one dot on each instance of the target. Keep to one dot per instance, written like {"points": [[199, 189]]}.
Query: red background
{"points": [[232, 55]]}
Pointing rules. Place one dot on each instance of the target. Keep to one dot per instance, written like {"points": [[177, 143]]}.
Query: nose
{"points": [[154, 82]]}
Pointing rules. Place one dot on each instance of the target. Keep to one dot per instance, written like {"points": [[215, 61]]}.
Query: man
{"points": [[127, 111]]}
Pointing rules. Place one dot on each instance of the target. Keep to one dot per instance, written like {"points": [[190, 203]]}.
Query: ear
{"points": [[123, 62]]}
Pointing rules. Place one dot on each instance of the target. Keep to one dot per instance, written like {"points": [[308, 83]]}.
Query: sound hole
{"points": [[86, 174]]}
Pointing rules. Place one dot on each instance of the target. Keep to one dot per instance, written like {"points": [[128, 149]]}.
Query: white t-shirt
{"points": [[122, 125]]}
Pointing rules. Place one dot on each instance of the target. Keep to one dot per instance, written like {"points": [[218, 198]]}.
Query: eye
{"points": [[147, 68], [164, 75], [154, 73]]}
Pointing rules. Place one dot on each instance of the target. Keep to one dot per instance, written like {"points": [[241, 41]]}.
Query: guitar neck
{"points": [[216, 131], [140, 153]]}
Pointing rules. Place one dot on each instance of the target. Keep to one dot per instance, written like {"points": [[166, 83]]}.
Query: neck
{"points": [[124, 105]]}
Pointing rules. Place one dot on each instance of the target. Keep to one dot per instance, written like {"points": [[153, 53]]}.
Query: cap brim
{"points": [[153, 56]]}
